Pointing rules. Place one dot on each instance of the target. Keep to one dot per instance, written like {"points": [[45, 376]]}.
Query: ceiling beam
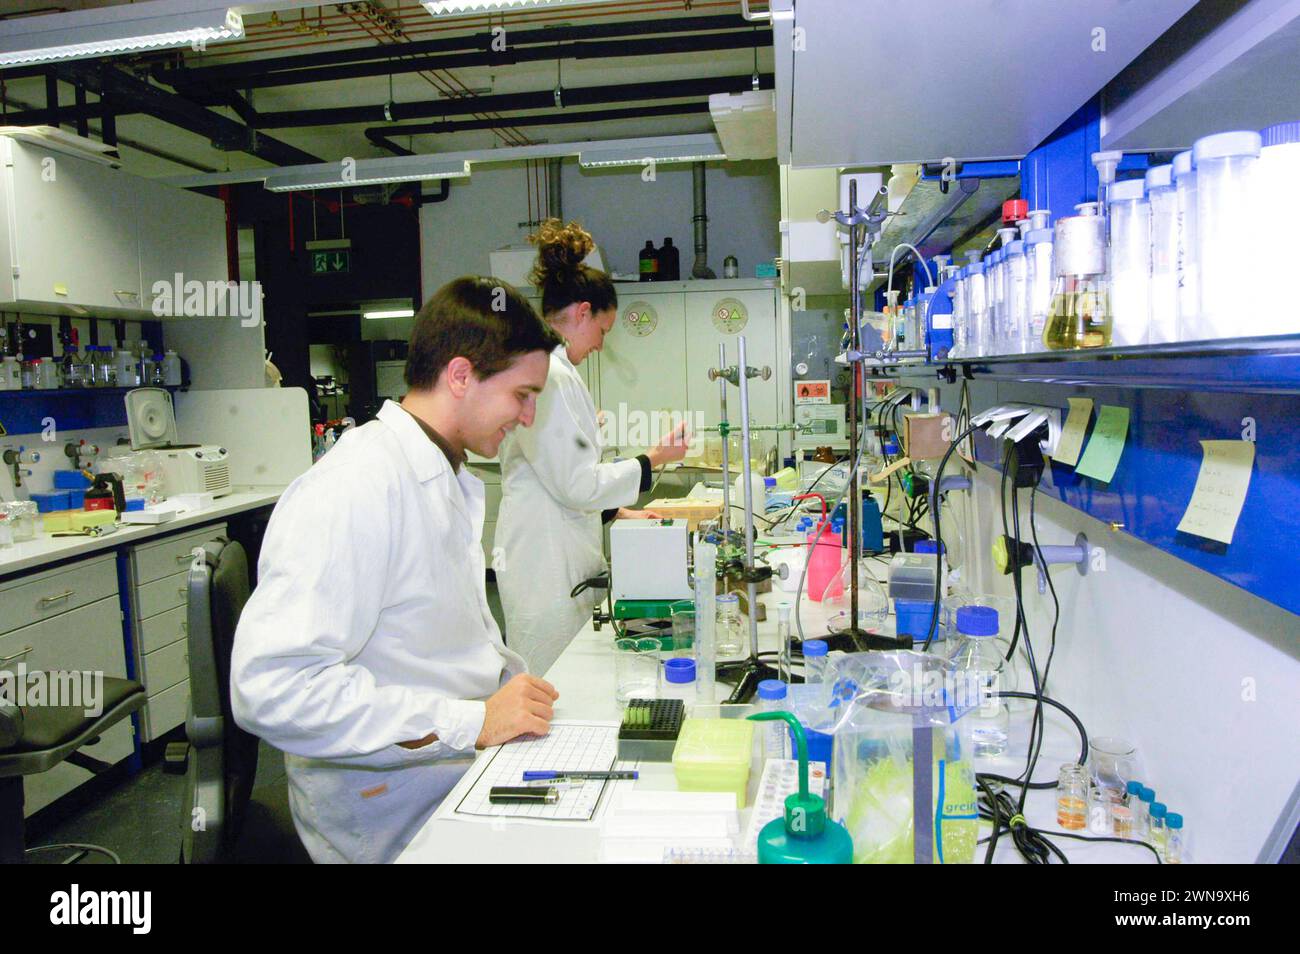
{"points": [[509, 102]]}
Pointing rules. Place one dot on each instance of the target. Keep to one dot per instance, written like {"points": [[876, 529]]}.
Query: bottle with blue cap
{"points": [[979, 664], [772, 698], [804, 836], [814, 660], [1175, 839]]}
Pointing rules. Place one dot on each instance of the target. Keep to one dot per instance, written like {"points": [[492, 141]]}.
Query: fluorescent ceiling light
{"points": [[390, 313], [680, 149], [128, 28], [345, 175], [455, 8]]}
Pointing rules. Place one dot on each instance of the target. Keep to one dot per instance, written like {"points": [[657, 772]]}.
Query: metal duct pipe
{"points": [[554, 197], [701, 220]]}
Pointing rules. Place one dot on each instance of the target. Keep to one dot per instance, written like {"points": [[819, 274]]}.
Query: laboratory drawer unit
{"points": [[67, 619], [159, 572]]}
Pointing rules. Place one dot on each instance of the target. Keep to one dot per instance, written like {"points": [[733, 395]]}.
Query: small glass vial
{"points": [[814, 661], [1072, 797], [728, 640], [1121, 820], [1175, 839], [771, 698], [1142, 813], [1157, 833], [1100, 804], [1132, 793]]}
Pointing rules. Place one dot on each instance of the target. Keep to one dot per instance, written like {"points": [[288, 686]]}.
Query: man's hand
{"points": [[625, 514], [523, 706]]}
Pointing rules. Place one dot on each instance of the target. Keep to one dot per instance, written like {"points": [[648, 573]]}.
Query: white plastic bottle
{"points": [[1189, 278], [1227, 233], [1130, 262], [1278, 176], [1163, 299]]}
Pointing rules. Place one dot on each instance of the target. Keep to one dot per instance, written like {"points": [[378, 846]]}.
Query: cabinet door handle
{"points": [[185, 558], [181, 591], [17, 655], [126, 293], [185, 626], [47, 600]]}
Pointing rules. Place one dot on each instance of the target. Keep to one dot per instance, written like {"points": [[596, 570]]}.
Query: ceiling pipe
{"points": [[382, 136], [554, 194], [700, 219], [506, 102], [238, 75]]}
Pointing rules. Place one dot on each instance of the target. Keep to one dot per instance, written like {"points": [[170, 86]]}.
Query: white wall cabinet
{"points": [[79, 236]]}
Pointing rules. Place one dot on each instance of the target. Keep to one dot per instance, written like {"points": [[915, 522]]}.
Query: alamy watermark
{"points": [[208, 299], [65, 688]]}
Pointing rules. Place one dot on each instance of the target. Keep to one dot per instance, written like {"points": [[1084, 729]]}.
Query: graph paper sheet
{"points": [[575, 746]]}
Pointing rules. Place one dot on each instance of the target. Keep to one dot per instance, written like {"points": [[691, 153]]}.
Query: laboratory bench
{"points": [[584, 677], [115, 604]]}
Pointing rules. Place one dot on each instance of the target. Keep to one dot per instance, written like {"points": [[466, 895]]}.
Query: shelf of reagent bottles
{"points": [[1269, 365], [26, 411]]}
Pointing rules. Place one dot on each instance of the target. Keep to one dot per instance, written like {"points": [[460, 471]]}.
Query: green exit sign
{"points": [[331, 262]]}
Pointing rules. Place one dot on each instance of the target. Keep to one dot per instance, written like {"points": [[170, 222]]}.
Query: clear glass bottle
{"points": [[1072, 797], [1162, 326], [107, 367], [71, 367], [47, 375], [1142, 813], [995, 286], [1189, 277], [1038, 285], [1175, 839], [1017, 279], [1080, 312], [728, 638], [89, 368], [146, 369], [13, 373], [814, 661], [1130, 262], [29, 375], [171, 368], [1227, 229], [772, 698], [979, 665]]}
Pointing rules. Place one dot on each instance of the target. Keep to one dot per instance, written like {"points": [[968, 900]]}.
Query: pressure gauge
{"points": [[640, 319], [730, 316]]}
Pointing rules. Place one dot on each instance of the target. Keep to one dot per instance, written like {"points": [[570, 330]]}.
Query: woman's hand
{"points": [[625, 513], [672, 447]]}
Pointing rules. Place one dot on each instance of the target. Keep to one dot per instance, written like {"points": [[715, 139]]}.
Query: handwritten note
{"points": [[1075, 430], [1101, 456], [1220, 490]]}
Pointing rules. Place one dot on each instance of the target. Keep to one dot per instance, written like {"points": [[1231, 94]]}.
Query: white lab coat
{"points": [[370, 626], [548, 536]]}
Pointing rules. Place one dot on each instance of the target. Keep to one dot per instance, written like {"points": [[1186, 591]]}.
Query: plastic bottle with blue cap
{"points": [[979, 664], [814, 660], [772, 698], [679, 679]]}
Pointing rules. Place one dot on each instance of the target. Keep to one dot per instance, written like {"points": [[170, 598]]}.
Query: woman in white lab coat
{"points": [[555, 489]]}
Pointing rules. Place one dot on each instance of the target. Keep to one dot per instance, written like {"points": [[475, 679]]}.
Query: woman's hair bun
{"points": [[560, 251]]}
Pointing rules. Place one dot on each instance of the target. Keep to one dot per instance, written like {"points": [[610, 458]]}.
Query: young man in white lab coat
{"points": [[368, 653]]}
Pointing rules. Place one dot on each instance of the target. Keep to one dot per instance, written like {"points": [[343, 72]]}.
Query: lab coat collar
{"points": [[563, 352], [424, 456]]}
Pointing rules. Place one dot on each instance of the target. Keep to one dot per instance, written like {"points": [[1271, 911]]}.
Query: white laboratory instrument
{"points": [[647, 560], [187, 468]]}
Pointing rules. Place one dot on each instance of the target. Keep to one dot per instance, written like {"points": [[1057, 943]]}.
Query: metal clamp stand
{"points": [[862, 224], [747, 673]]}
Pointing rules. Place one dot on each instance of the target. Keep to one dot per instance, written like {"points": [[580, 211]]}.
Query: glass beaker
{"points": [[1112, 763], [683, 616], [729, 640], [636, 668]]}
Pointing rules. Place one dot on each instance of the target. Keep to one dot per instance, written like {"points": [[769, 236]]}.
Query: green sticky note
{"points": [[1101, 456]]}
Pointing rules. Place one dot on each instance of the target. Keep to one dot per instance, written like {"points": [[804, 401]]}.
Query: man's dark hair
{"points": [[484, 320]]}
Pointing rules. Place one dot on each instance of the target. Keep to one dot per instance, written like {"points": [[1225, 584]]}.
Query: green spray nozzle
{"points": [[805, 813]]}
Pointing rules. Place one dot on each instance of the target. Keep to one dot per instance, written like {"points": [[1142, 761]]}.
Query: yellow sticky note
{"points": [[1220, 490], [60, 289], [1101, 456], [1074, 431]]}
